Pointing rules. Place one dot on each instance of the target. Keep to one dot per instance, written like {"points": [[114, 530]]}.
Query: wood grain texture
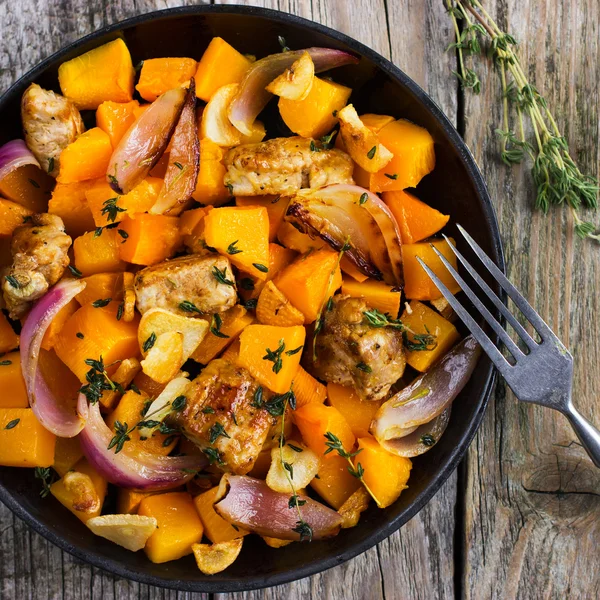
{"points": [[532, 522]]}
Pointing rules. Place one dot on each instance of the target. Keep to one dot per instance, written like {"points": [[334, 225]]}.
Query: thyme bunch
{"points": [[557, 177]]}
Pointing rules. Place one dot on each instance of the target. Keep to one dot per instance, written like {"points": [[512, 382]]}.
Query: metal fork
{"points": [[544, 374]]}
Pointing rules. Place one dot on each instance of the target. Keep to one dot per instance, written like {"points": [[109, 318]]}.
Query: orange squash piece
{"points": [[415, 219], [140, 199], [66, 497], [61, 381], [28, 186], [68, 201], [216, 528], [313, 116], [101, 286], [310, 280], [128, 501], [104, 73], [417, 285], [232, 352], [376, 122], [98, 253], [358, 412], [314, 420], [24, 442], [67, 454], [12, 215], [179, 525], [275, 205], [233, 322], [257, 340], [349, 269], [57, 324], [115, 118], [220, 65], [421, 319], [210, 188], [129, 410], [159, 75], [333, 482], [190, 219], [241, 234], [414, 156], [293, 239], [9, 340], [377, 294], [103, 336], [150, 238], [307, 388], [273, 308], [85, 158], [12, 385], [385, 473]]}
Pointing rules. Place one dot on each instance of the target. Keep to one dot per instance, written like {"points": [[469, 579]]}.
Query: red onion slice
{"points": [[184, 161], [251, 504], [145, 141], [53, 415], [425, 400], [15, 154], [253, 97], [132, 467]]}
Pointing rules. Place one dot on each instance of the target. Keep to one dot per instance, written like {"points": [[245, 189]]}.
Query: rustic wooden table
{"points": [[521, 518]]}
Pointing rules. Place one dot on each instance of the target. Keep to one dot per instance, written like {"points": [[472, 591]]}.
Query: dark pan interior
{"points": [[455, 187]]}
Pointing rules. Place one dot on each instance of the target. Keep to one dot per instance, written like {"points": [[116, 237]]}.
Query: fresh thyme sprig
{"points": [[47, 476], [557, 177], [334, 443], [98, 380]]}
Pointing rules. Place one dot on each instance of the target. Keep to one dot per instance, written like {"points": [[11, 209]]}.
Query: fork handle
{"points": [[588, 435]]}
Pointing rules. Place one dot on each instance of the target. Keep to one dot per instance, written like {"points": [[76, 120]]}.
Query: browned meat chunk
{"points": [[39, 249], [353, 353], [51, 122], [284, 166], [189, 281], [220, 418]]}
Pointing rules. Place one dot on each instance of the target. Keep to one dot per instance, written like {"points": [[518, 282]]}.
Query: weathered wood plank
{"points": [[532, 495]]}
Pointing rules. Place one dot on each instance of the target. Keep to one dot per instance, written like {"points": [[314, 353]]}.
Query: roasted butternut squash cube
{"points": [[385, 473], [13, 393], [28, 186], [24, 442], [313, 116], [333, 482], [68, 201], [216, 528], [101, 286], [377, 294], [85, 158], [417, 285], [210, 189], [67, 454], [241, 234], [98, 253], [179, 525], [128, 501], [159, 75], [422, 320], [358, 412], [307, 388], [12, 215], [273, 308], [58, 322], [416, 220], [272, 354], [220, 65], [310, 280], [115, 118], [275, 205], [104, 73], [101, 335]]}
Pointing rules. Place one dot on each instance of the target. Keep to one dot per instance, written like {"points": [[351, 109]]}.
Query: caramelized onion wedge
{"points": [[252, 96], [348, 212], [250, 503], [131, 467], [184, 161], [145, 141], [423, 401]]}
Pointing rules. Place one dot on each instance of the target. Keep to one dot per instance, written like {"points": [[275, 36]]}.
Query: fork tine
{"points": [[493, 297], [538, 323], [484, 341], [492, 322]]}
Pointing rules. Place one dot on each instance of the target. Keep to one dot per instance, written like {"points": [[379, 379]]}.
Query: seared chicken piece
{"points": [[353, 353], [284, 166], [39, 249], [220, 418], [51, 122], [192, 282]]}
